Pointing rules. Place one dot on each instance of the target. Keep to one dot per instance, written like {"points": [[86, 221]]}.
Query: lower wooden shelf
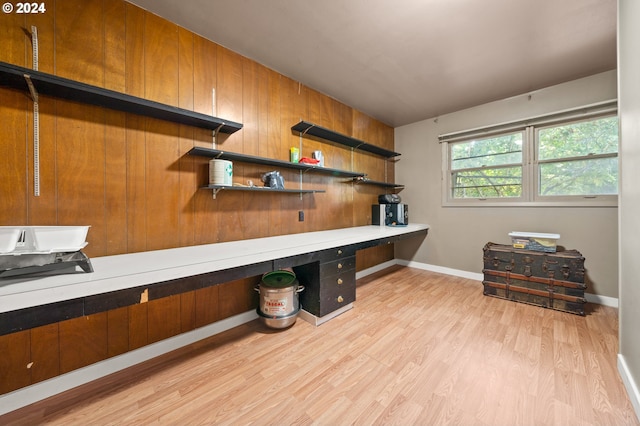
{"points": [[218, 188]]}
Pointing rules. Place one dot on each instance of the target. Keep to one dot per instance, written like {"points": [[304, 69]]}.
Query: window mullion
{"points": [[529, 164]]}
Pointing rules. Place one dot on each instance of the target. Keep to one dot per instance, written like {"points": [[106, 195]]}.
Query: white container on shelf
{"points": [[221, 172], [59, 238], [534, 241], [9, 238]]}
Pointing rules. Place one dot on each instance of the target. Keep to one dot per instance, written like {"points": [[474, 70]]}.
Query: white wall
{"points": [[458, 234], [629, 111]]}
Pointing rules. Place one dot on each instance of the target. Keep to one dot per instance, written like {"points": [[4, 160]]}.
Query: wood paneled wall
{"points": [[31, 356], [129, 177]]}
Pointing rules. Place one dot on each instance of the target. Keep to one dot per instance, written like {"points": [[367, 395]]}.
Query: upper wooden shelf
{"points": [[51, 85], [233, 156], [306, 128]]}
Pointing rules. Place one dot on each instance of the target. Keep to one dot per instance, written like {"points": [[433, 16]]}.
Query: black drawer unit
{"points": [[330, 281]]}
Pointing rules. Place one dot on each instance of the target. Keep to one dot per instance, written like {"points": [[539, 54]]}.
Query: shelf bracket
{"points": [[307, 129], [215, 192], [359, 145], [32, 89], [215, 134]]}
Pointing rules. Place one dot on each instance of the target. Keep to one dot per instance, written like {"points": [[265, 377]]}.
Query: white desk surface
{"points": [[136, 269]]}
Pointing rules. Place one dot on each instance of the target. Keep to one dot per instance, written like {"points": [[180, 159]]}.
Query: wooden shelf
{"points": [[218, 188], [232, 156], [46, 84], [365, 181], [306, 128]]}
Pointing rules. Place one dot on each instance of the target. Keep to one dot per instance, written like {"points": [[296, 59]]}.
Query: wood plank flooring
{"points": [[419, 348]]}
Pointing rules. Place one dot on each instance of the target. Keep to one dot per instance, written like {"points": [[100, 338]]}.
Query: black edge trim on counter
{"points": [[36, 316], [27, 318]]}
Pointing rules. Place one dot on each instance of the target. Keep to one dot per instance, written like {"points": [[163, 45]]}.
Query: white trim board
{"points": [[629, 384], [591, 298]]}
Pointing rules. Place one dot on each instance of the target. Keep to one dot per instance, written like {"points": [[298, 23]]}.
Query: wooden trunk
{"points": [[550, 280]]}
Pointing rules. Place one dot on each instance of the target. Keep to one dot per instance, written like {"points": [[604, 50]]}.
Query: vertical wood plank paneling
{"points": [[14, 371], [205, 66], [117, 331], [160, 60], [252, 220], [207, 310], [14, 40], [138, 331], [294, 107], [250, 106], [115, 168], [274, 147], [80, 160], [115, 45], [136, 184], [13, 158], [229, 104], [14, 108], [162, 184], [229, 93], [206, 221], [238, 296], [187, 311], [134, 50], [83, 341], [45, 352], [79, 40], [188, 182], [334, 211], [342, 193], [163, 318], [162, 138], [80, 148], [135, 125], [115, 133]]}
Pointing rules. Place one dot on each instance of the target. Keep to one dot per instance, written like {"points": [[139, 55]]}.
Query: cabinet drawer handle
{"points": [[339, 251], [340, 281], [339, 265], [340, 299]]}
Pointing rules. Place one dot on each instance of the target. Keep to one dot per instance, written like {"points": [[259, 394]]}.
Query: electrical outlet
{"points": [[301, 216]]}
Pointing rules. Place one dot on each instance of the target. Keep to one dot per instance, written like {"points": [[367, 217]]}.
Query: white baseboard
{"points": [[316, 321], [629, 384], [441, 270], [591, 298], [39, 391], [375, 268], [601, 300]]}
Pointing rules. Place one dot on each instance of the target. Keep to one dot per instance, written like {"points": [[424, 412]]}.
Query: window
{"points": [[486, 168], [578, 158], [569, 162]]}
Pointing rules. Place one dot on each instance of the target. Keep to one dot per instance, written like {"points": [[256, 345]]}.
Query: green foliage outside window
{"points": [[590, 165], [575, 159], [484, 167]]}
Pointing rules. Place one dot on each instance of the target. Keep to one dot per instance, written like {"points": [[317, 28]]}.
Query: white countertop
{"points": [[131, 270]]}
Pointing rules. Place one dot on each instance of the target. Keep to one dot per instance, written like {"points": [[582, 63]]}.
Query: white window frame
{"points": [[530, 176]]}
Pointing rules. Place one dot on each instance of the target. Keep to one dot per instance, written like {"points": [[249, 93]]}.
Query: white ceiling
{"points": [[403, 61]]}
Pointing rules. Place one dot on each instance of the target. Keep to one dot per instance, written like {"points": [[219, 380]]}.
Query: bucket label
{"points": [[275, 306]]}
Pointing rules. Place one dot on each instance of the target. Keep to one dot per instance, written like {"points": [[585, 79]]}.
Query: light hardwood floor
{"points": [[418, 348]]}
